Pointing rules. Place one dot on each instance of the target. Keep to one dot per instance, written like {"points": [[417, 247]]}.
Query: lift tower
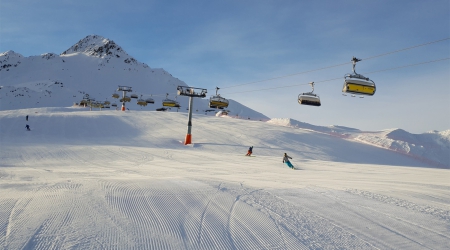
{"points": [[125, 98], [191, 92]]}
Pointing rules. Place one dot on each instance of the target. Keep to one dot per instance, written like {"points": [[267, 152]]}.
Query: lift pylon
{"points": [[124, 89], [191, 92]]}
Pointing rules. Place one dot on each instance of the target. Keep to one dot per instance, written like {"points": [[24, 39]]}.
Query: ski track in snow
{"points": [[119, 189]]}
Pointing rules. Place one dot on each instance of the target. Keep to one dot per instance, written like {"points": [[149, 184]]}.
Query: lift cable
{"points": [[323, 68], [341, 64], [400, 50], [338, 78]]}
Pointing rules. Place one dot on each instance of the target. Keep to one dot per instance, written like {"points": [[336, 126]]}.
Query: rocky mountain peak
{"points": [[10, 53], [9, 59], [98, 46]]}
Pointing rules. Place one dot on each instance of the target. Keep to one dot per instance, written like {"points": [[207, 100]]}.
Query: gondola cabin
{"points": [[309, 99]]}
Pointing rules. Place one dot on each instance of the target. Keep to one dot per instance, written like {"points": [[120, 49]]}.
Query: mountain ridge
{"points": [[432, 147], [96, 66]]}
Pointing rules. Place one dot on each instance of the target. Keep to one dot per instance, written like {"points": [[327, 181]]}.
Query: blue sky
{"points": [[227, 43]]}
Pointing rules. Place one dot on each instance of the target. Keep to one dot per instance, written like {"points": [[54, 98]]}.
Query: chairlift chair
{"points": [[86, 99], [96, 104], [309, 98], [141, 102], [150, 100], [177, 104], [125, 99], [106, 104], [217, 101], [357, 83], [170, 103]]}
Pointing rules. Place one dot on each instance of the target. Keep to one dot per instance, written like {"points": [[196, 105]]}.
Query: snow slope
{"points": [[432, 147], [122, 180], [96, 66]]}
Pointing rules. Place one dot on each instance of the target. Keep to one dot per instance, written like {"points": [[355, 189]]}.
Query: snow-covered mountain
{"points": [[432, 147], [95, 66]]}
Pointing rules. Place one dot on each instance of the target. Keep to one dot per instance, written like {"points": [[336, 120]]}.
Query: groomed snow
{"points": [[122, 180]]}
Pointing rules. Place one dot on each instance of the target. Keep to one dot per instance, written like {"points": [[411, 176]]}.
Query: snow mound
{"points": [[429, 138], [432, 147], [337, 127], [334, 129], [288, 122], [429, 147]]}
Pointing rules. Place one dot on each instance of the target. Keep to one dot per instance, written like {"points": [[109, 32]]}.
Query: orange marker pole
{"points": [[188, 139]]}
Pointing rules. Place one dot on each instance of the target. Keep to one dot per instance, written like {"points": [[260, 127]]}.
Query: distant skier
{"points": [[286, 160], [28, 127], [250, 151], [26, 117]]}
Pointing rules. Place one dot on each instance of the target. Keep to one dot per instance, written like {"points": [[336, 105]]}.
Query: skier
{"points": [[286, 160], [28, 127], [250, 151], [26, 117]]}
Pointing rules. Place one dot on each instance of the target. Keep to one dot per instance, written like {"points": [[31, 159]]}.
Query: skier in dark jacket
{"points": [[26, 117], [250, 151], [28, 127], [286, 160]]}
